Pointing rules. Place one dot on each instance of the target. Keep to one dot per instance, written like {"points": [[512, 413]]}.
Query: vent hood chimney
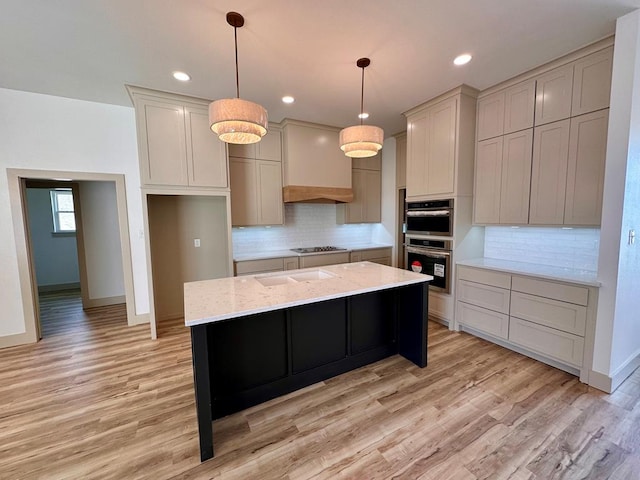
{"points": [[314, 169]]}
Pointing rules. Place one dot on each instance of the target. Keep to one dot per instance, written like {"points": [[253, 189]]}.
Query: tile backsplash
{"points": [[560, 247], [306, 225]]}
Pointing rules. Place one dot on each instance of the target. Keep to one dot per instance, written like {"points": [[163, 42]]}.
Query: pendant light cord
{"points": [[362, 99], [235, 37]]}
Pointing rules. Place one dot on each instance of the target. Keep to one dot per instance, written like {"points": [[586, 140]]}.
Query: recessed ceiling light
{"points": [[363, 115], [462, 59], [183, 77], [288, 99]]}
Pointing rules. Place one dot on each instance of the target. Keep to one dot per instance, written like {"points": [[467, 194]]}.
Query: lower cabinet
{"points": [[266, 265], [323, 259], [551, 320], [377, 255]]}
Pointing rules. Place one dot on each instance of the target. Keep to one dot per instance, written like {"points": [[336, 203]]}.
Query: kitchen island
{"points": [[258, 337]]}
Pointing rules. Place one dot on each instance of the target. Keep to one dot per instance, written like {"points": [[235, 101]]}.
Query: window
{"points": [[64, 220]]}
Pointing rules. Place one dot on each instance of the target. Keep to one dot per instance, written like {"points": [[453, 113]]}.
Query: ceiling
{"points": [[90, 49]]}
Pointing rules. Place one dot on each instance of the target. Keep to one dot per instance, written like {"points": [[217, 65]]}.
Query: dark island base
{"points": [[248, 360]]}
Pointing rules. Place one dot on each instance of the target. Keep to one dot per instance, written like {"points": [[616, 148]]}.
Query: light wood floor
{"points": [[98, 399]]}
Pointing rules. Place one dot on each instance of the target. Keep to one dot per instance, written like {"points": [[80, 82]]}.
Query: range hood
{"points": [[314, 169]]}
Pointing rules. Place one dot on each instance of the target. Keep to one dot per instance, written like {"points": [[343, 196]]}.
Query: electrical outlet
{"points": [[196, 242]]}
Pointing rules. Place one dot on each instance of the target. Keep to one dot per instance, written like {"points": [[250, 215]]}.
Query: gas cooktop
{"points": [[318, 249]]}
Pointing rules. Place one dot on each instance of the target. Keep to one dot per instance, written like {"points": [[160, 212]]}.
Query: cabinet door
{"points": [[269, 181], [592, 82], [549, 173], [373, 193], [516, 177], [368, 163], [401, 161], [162, 134], [242, 150], [519, 103], [441, 147], [491, 116], [206, 154], [585, 174], [270, 147], [244, 201], [356, 209], [553, 95], [488, 172], [417, 154]]}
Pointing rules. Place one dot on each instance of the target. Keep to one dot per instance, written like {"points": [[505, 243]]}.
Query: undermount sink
{"points": [[271, 280]]}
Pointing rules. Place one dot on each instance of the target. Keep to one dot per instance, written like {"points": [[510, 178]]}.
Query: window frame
{"points": [[56, 211]]}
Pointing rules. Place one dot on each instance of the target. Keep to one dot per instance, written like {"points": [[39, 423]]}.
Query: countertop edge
{"points": [[479, 263]]}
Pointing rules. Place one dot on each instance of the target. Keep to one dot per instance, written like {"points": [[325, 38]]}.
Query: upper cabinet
{"points": [[175, 145], [553, 95], [440, 141], [559, 176], [592, 82], [367, 193], [256, 181]]}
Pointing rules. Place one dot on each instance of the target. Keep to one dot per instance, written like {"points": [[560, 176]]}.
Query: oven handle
{"points": [[428, 213], [429, 252]]}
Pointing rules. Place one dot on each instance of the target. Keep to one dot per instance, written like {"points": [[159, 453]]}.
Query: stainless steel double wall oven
{"points": [[425, 251]]}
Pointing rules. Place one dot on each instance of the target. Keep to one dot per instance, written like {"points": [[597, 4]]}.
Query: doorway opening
{"points": [[103, 268]]}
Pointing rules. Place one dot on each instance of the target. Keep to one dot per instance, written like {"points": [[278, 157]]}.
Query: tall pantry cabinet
{"points": [[186, 198], [555, 176]]}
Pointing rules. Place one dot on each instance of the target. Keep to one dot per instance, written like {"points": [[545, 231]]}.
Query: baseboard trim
{"points": [[139, 319], [16, 340], [58, 287], [103, 302], [627, 368], [600, 381]]}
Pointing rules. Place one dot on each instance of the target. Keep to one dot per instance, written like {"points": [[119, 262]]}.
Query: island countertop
{"points": [[225, 298]]}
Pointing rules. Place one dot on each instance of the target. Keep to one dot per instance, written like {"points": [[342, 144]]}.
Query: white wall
{"points": [[52, 133], [103, 253], [55, 257], [618, 327], [617, 341]]}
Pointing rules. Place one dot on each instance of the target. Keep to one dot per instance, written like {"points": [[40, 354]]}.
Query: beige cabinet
{"points": [[266, 265], [369, 163], [516, 177], [375, 255], [366, 204], [502, 179], [549, 173], [554, 95], [553, 321], [491, 116], [519, 103], [592, 82], [176, 146], [269, 148], [320, 260], [401, 161], [256, 192], [585, 171], [440, 146]]}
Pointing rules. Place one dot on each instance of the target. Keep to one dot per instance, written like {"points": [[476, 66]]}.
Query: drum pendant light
{"points": [[235, 120], [361, 141]]}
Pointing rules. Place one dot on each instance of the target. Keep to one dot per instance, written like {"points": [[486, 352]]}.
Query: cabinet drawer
{"points": [[488, 277], [259, 266], [562, 346], [564, 316], [556, 291], [323, 259], [488, 321], [376, 253], [291, 263], [493, 298]]}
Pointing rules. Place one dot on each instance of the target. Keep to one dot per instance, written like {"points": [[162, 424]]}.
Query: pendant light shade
{"points": [[361, 141], [235, 120]]}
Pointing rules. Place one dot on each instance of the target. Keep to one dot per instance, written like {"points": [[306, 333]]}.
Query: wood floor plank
{"points": [[96, 399]]}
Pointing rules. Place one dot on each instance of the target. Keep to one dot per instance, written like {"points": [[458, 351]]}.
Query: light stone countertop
{"points": [[265, 254], [226, 298], [570, 275]]}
